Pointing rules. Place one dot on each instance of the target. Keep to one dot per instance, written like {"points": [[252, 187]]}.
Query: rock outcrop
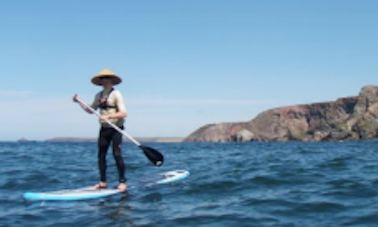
{"points": [[221, 133], [349, 118]]}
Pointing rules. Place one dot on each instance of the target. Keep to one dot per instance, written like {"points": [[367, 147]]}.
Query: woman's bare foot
{"points": [[101, 185], [122, 187]]}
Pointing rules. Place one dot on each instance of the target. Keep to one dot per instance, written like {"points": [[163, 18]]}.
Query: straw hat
{"points": [[106, 73]]}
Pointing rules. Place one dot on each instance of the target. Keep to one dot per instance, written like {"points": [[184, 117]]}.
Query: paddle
{"points": [[153, 155]]}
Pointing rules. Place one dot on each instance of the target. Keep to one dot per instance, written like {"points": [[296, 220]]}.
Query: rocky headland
{"points": [[348, 118]]}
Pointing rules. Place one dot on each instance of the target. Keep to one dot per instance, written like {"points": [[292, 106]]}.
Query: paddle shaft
{"points": [[109, 122]]}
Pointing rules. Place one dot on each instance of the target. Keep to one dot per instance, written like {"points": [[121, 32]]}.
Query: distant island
{"points": [[25, 140], [348, 118]]}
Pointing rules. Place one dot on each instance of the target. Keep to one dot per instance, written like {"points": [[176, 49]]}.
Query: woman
{"points": [[112, 108]]}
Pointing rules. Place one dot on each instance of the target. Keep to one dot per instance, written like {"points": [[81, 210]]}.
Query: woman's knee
{"points": [[117, 151]]}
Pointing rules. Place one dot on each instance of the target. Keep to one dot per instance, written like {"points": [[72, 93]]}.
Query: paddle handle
{"points": [[109, 122]]}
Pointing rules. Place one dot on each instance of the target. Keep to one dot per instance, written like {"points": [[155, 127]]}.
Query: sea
{"points": [[230, 184]]}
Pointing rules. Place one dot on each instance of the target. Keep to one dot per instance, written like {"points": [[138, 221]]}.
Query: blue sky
{"points": [[184, 63]]}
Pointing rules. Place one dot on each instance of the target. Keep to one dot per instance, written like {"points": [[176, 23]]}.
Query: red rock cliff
{"points": [[348, 118]]}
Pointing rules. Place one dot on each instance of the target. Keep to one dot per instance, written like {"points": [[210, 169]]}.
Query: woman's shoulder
{"points": [[116, 92]]}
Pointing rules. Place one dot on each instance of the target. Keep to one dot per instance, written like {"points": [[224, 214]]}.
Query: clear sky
{"points": [[184, 63]]}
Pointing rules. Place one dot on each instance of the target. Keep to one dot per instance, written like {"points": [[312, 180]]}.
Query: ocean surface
{"points": [[247, 184]]}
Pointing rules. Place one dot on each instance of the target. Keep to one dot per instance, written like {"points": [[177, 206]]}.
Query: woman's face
{"points": [[106, 82]]}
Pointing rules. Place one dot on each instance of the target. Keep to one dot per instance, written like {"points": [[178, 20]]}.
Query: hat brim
{"points": [[97, 80]]}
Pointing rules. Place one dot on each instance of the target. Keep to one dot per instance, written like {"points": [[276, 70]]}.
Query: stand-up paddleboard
{"points": [[71, 194], [93, 193]]}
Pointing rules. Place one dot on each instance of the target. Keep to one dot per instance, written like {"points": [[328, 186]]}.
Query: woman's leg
{"points": [[117, 141], [104, 140]]}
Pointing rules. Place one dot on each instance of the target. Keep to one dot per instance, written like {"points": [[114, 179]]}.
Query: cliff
{"points": [[349, 118]]}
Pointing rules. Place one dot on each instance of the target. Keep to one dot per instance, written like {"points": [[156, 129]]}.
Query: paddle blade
{"points": [[153, 155]]}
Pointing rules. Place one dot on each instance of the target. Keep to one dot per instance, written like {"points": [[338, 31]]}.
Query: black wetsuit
{"points": [[110, 136]]}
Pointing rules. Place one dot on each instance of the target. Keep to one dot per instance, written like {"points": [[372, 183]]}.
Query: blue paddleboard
{"points": [[93, 193]]}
